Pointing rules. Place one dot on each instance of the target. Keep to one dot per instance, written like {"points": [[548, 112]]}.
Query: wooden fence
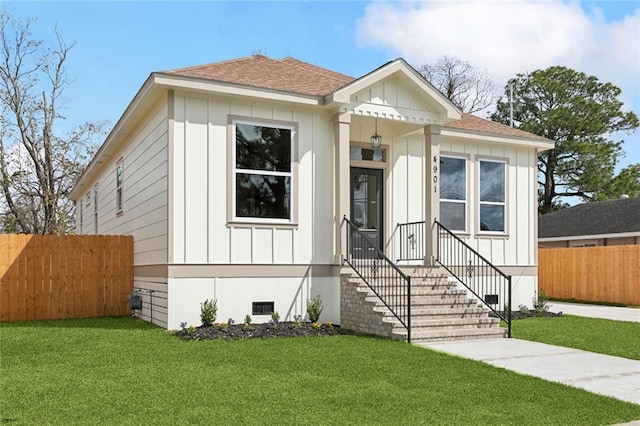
{"points": [[598, 274], [72, 276]]}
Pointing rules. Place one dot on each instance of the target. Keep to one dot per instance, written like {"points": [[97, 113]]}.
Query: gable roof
{"points": [[283, 75], [597, 218]]}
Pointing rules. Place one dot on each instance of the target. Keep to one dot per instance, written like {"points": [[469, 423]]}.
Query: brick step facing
{"points": [[439, 312]]}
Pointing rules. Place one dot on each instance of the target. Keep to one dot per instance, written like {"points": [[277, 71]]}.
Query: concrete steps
{"points": [[439, 311]]}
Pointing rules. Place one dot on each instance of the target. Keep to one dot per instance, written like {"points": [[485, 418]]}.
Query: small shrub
{"points": [[247, 323], [223, 326], [272, 324], [316, 325], [541, 303], [314, 308], [329, 324], [297, 322], [275, 316], [523, 309], [208, 312]]}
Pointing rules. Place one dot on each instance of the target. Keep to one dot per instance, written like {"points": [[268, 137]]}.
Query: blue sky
{"points": [[120, 43]]}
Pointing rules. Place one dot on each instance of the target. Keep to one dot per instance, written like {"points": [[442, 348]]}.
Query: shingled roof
{"points": [[290, 75], [597, 218], [285, 75], [472, 123]]}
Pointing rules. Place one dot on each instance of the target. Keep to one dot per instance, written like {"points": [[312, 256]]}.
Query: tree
{"points": [[581, 115], [38, 164], [468, 87]]}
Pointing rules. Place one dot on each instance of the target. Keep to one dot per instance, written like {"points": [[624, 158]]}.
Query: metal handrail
{"points": [[380, 274], [411, 236], [475, 272]]}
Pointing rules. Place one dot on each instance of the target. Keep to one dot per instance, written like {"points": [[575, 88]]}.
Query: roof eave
{"points": [[540, 144], [114, 137], [233, 89], [590, 236]]}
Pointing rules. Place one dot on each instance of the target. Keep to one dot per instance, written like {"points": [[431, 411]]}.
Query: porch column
{"points": [[342, 180], [432, 208]]}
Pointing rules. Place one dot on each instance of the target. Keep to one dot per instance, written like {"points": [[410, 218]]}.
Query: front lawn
{"points": [[125, 371], [618, 338]]}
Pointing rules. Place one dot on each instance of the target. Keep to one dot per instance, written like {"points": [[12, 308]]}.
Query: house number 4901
{"points": [[435, 173]]}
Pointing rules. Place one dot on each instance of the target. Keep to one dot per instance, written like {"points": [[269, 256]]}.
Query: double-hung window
{"points": [[453, 193], [119, 178], [95, 209], [492, 197], [262, 171]]}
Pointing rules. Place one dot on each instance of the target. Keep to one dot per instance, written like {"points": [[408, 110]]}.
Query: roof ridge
{"points": [[226, 61]]}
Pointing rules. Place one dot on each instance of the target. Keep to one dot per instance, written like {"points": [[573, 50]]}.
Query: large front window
{"points": [[453, 193], [492, 196], [262, 176]]}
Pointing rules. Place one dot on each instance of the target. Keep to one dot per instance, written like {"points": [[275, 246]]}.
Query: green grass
{"points": [[618, 338], [124, 371]]}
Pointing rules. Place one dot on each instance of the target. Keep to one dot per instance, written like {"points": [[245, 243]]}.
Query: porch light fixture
{"points": [[376, 139]]}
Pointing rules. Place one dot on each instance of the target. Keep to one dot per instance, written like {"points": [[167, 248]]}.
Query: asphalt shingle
{"points": [[604, 217]]}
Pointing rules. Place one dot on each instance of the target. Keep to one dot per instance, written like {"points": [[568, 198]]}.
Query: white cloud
{"points": [[508, 37], [511, 36]]}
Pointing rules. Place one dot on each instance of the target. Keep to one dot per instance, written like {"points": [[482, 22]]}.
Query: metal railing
{"points": [[384, 278], [411, 240], [490, 285]]}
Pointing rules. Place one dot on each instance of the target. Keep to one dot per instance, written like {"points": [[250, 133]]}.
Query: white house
{"points": [[234, 179]]}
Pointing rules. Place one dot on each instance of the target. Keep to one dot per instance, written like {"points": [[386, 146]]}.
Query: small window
{"points": [[453, 193], [95, 209], [263, 172], [262, 308], [492, 196], [368, 154], [119, 179]]}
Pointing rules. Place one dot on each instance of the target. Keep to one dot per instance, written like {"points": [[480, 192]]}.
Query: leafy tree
{"points": [[38, 164], [581, 114], [468, 87], [626, 182]]}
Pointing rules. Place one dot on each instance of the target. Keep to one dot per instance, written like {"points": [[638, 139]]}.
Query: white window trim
{"points": [[119, 187], [466, 159], [293, 208], [479, 203]]}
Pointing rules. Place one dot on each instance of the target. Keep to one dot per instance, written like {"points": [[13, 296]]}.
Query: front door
{"points": [[367, 207]]}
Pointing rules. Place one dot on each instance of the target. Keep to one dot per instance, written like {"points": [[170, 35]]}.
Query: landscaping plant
{"points": [[314, 308], [208, 312]]}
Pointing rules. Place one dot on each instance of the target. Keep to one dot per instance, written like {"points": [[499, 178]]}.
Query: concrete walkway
{"points": [[601, 374], [596, 311]]}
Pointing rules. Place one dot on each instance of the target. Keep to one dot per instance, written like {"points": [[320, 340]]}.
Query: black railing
{"points": [[411, 240], [490, 285], [384, 278]]}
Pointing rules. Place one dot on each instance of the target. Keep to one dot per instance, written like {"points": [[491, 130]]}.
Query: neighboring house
{"points": [[234, 178], [603, 223]]}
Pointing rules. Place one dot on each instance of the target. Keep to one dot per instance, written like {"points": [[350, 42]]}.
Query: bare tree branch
{"points": [[469, 87], [38, 167]]}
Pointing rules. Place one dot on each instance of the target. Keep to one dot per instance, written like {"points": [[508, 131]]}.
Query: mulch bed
{"points": [[261, 331], [531, 314]]}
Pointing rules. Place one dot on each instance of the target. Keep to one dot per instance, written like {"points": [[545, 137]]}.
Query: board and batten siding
{"points": [[201, 176], [405, 196], [517, 246], [144, 213]]}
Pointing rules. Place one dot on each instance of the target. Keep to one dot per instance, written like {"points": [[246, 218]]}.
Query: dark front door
{"points": [[367, 208]]}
